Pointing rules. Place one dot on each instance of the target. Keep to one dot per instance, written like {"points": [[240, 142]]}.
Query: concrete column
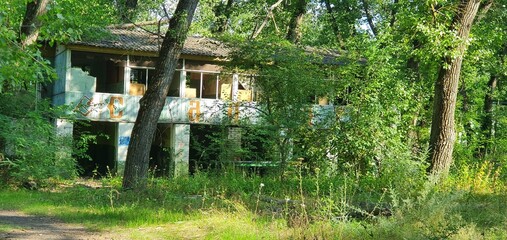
{"points": [[126, 77], [180, 145], [62, 67], [235, 86], [233, 144], [289, 148], [123, 135], [183, 80], [64, 129]]}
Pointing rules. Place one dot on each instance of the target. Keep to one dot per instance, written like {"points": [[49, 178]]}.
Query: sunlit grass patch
{"points": [[6, 227], [241, 207]]}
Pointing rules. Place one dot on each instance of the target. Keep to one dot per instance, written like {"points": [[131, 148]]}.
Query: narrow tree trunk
{"points": [[223, 13], [294, 33], [334, 24], [127, 8], [487, 123], [136, 166], [269, 14], [31, 23], [394, 9], [369, 17], [446, 89], [415, 78]]}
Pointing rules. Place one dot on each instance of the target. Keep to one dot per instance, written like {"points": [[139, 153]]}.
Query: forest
{"points": [[415, 146]]}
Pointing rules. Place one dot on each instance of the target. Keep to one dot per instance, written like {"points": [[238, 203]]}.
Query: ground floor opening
{"points": [[99, 158]]}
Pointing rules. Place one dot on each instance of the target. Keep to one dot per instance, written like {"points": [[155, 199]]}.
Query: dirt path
{"points": [[17, 225]]}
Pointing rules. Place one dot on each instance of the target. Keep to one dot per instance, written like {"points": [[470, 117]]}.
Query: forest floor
{"points": [[17, 225]]}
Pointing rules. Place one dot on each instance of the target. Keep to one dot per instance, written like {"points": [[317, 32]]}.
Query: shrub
{"points": [[33, 151]]}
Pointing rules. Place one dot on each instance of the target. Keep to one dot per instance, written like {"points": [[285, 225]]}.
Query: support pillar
{"points": [[180, 145], [64, 130], [124, 132], [233, 144], [64, 127]]}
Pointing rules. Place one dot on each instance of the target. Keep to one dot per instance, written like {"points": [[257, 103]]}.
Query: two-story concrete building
{"points": [[103, 80]]}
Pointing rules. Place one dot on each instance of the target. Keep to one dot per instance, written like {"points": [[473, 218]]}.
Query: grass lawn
{"points": [[234, 210]]}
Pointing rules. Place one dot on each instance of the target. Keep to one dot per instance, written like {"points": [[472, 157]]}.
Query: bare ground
{"points": [[17, 225]]}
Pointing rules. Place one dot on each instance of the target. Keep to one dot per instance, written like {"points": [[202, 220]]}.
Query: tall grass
{"points": [[237, 205]]}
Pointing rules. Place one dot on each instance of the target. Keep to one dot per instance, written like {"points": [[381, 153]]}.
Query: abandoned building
{"points": [[103, 81]]}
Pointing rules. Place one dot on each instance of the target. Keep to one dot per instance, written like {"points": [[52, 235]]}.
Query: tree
{"points": [[28, 142], [443, 133], [137, 163], [296, 20], [31, 21], [126, 9], [222, 13], [24, 23]]}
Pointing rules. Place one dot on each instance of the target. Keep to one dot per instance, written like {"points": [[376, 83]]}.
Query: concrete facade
{"points": [[105, 88], [79, 80]]}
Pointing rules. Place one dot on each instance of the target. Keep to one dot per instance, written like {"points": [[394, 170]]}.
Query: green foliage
{"points": [[64, 21], [218, 202], [32, 149], [290, 80], [20, 67]]}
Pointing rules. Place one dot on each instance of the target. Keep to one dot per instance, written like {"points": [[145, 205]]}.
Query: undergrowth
{"points": [[232, 205]]}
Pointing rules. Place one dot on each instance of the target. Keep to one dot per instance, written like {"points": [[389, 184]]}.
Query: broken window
{"points": [[140, 78], [201, 84]]}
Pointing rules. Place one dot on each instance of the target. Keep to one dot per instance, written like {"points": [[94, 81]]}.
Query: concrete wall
{"points": [[180, 145], [124, 132]]}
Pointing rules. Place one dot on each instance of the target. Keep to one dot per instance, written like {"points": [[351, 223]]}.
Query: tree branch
{"points": [[269, 12], [393, 13], [369, 17], [483, 10]]}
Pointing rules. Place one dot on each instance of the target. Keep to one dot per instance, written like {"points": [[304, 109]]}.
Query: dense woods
{"points": [[418, 88]]}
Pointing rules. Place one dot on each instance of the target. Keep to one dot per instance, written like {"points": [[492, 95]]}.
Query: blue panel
{"points": [[124, 140]]}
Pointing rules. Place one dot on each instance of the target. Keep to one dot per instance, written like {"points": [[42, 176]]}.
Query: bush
{"points": [[33, 151]]}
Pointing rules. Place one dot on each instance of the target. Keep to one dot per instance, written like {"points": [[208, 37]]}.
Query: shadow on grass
{"points": [[485, 210], [100, 208], [23, 226]]}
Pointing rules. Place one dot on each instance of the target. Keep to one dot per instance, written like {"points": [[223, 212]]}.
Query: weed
{"points": [[299, 207]]}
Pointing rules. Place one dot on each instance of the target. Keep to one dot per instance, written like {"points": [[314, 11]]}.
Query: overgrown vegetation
{"points": [[359, 174], [231, 204], [34, 152]]}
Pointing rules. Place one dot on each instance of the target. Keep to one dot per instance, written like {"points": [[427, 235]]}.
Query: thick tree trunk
{"points": [[136, 166], [31, 24], [446, 89], [294, 33]]}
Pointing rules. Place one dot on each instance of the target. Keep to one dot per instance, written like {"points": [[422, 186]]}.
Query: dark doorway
{"points": [[99, 159], [205, 146]]}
